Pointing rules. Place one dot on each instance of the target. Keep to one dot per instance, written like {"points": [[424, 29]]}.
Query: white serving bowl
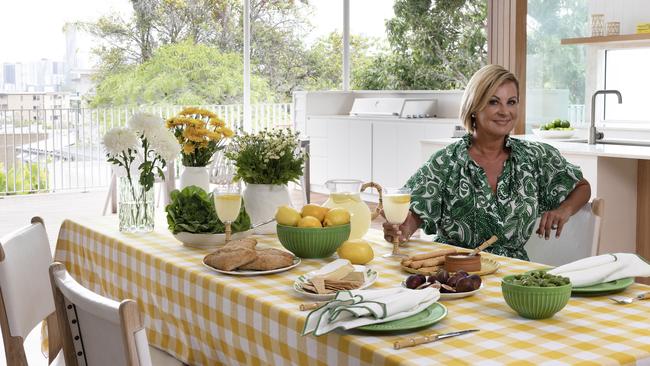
{"points": [[554, 134], [206, 241]]}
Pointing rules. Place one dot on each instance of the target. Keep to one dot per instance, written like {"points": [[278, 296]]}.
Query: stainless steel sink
{"points": [[614, 142]]}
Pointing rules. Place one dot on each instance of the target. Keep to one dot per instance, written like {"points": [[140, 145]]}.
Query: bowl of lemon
{"points": [[313, 232]]}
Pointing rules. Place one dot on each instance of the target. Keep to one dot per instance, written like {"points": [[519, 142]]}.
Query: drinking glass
{"points": [[397, 202], [227, 203]]}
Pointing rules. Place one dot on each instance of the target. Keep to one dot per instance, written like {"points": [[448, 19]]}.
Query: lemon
{"points": [[309, 221], [315, 211], [357, 251], [286, 215], [337, 216]]}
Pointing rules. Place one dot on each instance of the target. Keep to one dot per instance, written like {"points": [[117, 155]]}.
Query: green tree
{"points": [[325, 62], [433, 45], [551, 65], [183, 74], [29, 178]]}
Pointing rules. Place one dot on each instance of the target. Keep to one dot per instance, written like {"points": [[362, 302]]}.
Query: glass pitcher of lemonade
{"points": [[346, 193]]}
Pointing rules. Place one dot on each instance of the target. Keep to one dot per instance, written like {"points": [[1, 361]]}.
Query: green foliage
{"points": [[29, 178], [192, 210], [433, 45], [551, 65], [267, 157], [181, 74]]}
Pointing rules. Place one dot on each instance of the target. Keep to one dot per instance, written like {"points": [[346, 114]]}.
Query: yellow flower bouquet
{"points": [[200, 132]]}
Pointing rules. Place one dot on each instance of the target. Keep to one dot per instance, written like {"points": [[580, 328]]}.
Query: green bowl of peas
{"points": [[536, 294]]}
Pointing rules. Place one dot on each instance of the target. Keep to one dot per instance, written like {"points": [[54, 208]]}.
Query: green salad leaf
{"points": [[192, 210]]}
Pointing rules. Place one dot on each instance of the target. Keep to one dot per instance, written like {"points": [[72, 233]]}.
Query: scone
{"points": [[249, 243], [229, 258], [268, 259]]}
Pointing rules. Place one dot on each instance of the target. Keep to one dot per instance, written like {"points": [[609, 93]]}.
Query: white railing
{"points": [[51, 150]]}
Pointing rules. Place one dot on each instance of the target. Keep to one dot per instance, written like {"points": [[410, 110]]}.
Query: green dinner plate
{"points": [[604, 288], [599, 289], [433, 314]]}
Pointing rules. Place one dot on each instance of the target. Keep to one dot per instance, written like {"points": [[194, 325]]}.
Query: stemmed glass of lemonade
{"points": [[227, 203], [397, 202]]}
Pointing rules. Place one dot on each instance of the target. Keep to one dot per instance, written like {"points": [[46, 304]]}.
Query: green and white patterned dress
{"points": [[451, 194]]}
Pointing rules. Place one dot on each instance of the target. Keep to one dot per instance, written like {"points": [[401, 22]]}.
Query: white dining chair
{"points": [[579, 238], [26, 293], [98, 331]]}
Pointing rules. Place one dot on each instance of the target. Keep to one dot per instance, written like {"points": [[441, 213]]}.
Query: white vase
{"points": [[195, 176], [261, 201]]}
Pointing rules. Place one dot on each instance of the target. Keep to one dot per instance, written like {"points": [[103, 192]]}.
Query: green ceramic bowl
{"points": [[307, 242], [535, 302]]}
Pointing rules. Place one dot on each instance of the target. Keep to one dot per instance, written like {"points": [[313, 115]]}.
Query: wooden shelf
{"points": [[608, 39]]}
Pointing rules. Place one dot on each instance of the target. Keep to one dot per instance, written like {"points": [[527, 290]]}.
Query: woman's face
{"points": [[499, 116]]}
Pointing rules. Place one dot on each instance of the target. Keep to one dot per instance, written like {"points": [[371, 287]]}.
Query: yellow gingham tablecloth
{"points": [[206, 318]]}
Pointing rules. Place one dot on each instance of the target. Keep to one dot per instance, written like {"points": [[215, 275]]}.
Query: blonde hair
{"points": [[480, 88]]}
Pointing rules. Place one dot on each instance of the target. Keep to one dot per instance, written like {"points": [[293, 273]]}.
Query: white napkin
{"points": [[603, 268], [356, 308]]}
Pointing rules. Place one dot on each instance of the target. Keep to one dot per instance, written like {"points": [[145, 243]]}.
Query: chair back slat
{"points": [[97, 331]]}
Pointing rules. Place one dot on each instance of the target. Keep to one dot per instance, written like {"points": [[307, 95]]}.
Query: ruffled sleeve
{"points": [[426, 190], [557, 178]]}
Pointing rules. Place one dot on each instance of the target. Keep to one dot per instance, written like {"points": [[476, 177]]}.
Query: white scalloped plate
{"points": [[454, 295], [554, 134], [370, 273], [296, 262]]}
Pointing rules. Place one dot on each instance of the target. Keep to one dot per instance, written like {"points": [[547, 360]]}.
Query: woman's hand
{"points": [[410, 225], [553, 220]]}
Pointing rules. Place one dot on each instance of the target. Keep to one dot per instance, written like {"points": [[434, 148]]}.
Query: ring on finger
{"points": [[554, 226]]}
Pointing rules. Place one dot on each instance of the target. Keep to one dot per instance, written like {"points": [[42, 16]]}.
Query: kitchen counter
{"points": [[574, 148], [618, 174], [451, 121]]}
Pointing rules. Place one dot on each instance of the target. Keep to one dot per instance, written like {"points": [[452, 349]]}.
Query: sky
{"points": [[32, 29]]}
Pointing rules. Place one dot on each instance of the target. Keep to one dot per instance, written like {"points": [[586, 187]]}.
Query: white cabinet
{"points": [[340, 149], [396, 149], [387, 152]]}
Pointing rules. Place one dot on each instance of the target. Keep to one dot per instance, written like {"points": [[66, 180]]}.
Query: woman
{"points": [[489, 183]]}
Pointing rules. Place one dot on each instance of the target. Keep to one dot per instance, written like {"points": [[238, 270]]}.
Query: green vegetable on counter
{"points": [[557, 125], [192, 210], [539, 279]]}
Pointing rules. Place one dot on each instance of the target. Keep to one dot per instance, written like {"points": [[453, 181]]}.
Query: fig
{"points": [[476, 281], [414, 281], [446, 288], [457, 276], [441, 276], [436, 284]]}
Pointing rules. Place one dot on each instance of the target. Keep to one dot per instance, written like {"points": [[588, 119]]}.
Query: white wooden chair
{"points": [[25, 292], [579, 239], [98, 331]]}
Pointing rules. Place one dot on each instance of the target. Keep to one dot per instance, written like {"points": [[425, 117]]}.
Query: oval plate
{"points": [[426, 317], [296, 262], [453, 295], [207, 241], [488, 266], [371, 274]]}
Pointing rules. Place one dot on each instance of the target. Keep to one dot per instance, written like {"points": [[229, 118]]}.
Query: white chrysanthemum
{"points": [[119, 139], [165, 144], [146, 124]]}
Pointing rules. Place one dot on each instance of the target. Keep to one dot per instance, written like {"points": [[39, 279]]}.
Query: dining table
{"points": [[203, 317]]}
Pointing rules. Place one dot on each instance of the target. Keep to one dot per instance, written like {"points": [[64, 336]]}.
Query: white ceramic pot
{"points": [[261, 201], [195, 176]]}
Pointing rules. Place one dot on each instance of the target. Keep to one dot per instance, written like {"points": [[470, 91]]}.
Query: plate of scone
{"points": [[244, 258]]}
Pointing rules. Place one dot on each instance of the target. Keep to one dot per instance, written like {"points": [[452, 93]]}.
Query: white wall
{"points": [[628, 12]]}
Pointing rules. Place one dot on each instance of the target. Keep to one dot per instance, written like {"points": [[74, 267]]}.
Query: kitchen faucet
{"points": [[593, 133]]}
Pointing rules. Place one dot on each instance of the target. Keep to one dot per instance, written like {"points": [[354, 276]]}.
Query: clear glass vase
{"points": [[135, 208]]}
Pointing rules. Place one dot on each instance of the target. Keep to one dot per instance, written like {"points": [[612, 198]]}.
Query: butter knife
{"points": [[414, 341]]}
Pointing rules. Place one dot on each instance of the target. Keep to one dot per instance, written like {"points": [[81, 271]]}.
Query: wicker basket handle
{"points": [[380, 205]]}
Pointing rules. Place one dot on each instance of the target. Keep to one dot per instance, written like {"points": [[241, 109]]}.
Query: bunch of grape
{"points": [[556, 125]]}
